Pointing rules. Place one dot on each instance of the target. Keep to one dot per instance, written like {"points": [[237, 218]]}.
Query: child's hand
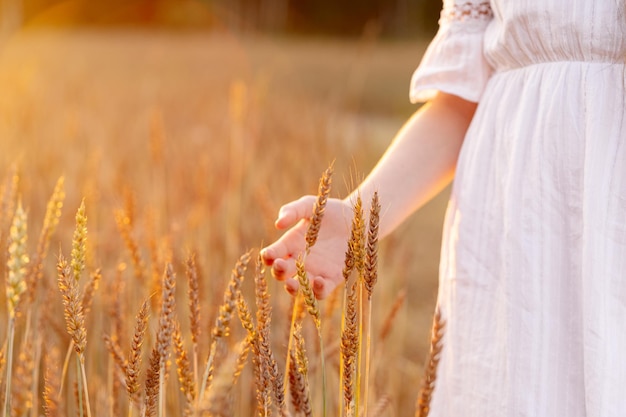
{"points": [[324, 263]]}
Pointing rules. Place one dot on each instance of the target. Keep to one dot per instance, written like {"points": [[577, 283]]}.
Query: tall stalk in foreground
{"points": [[166, 328], [305, 285], [370, 278], [222, 322], [15, 287]]}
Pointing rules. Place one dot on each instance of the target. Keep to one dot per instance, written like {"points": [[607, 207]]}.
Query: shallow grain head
{"points": [[318, 210], [134, 359], [18, 260], [307, 292], [194, 297], [222, 323], [79, 242], [371, 249], [430, 371], [72, 301]]}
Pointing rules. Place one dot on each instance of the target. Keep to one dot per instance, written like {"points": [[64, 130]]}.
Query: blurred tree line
{"points": [[390, 18]]}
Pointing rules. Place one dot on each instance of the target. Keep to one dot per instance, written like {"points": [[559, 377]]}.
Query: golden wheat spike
{"points": [[23, 377], [18, 260], [318, 209], [79, 242], [74, 317], [430, 374], [52, 382], [152, 384], [183, 368], [134, 358], [50, 223], [222, 323], [125, 227], [194, 298], [371, 249], [307, 292], [349, 348]]}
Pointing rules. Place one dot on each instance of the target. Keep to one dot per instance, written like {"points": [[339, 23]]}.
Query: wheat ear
{"points": [[369, 281], [183, 368], [15, 287], [134, 358], [222, 323], [125, 227], [51, 383], [430, 374], [166, 327], [194, 310], [51, 221]]}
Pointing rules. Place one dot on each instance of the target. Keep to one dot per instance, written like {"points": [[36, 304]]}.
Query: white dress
{"points": [[533, 267]]}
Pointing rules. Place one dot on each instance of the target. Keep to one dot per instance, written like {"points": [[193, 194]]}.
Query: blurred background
{"points": [[199, 119], [395, 18]]}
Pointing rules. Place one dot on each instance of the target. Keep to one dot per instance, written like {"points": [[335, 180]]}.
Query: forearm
{"points": [[421, 160]]}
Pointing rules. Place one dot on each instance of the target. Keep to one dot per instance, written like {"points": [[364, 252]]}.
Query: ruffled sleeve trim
{"points": [[454, 61]]}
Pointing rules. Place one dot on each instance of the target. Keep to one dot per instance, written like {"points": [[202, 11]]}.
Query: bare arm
{"points": [[421, 160], [416, 166]]}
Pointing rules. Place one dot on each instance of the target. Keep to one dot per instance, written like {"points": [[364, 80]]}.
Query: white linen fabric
{"points": [[533, 267]]}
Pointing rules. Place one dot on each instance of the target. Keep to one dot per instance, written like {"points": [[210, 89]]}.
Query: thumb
{"points": [[293, 212]]}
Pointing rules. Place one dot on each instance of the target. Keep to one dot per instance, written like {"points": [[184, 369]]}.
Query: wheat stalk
{"points": [[370, 278], [79, 242], [166, 325], [349, 349], [152, 384], [50, 223], [125, 227], [430, 374], [315, 223], [51, 383], [134, 358], [298, 375], [183, 368], [194, 310], [222, 322], [15, 287]]}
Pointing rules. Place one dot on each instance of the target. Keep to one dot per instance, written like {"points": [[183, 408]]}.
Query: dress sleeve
{"points": [[454, 61]]}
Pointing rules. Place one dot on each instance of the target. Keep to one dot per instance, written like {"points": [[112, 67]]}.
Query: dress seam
{"points": [[569, 62]]}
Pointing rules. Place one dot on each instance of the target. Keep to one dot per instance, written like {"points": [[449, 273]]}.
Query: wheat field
{"points": [[178, 149]]}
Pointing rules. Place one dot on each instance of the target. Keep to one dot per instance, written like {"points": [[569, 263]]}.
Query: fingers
{"points": [[321, 287], [291, 213], [283, 268]]}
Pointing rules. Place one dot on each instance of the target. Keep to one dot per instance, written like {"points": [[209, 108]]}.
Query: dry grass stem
{"points": [[430, 372]]}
